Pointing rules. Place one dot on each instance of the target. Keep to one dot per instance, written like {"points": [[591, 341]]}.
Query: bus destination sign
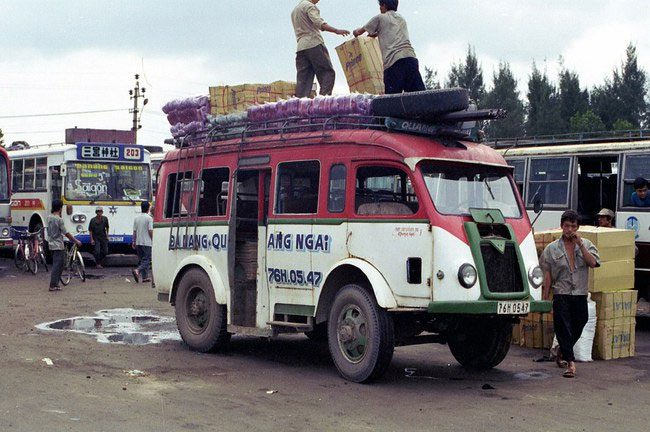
{"points": [[109, 152]]}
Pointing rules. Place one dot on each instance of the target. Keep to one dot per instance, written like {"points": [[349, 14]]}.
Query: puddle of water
{"points": [[533, 375], [121, 326]]}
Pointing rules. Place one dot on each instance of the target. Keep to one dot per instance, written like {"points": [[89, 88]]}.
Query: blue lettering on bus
{"points": [[205, 242], [303, 242]]}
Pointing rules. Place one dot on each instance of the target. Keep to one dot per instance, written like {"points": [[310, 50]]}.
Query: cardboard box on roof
{"points": [[362, 64], [229, 99]]}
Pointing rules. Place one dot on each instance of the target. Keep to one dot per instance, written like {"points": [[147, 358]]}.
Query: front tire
{"points": [[360, 335], [202, 322], [481, 343]]}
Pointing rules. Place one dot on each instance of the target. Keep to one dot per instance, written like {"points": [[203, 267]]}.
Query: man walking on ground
{"points": [[312, 57], [142, 241], [98, 229], [566, 264], [55, 233], [401, 67]]}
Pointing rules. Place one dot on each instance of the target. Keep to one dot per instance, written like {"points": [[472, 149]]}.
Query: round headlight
{"points": [[80, 228], [467, 275], [5, 232], [536, 276]]}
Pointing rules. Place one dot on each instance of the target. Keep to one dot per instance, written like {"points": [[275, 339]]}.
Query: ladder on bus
{"points": [[184, 217]]}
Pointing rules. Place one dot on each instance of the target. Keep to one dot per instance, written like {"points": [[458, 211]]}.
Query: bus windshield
{"points": [[100, 181], [4, 180], [455, 189]]}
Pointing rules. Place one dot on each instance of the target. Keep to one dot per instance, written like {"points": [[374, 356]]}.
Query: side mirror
{"points": [[538, 204], [63, 171]]}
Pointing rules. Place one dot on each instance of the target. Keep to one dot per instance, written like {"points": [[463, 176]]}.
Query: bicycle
{"points": [[30, 250], [73, 265]]}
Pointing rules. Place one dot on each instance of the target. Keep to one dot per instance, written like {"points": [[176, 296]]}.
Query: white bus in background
{"points": [[5, 212], [84, 176]]}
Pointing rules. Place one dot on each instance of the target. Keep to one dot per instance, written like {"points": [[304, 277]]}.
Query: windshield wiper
{"points": [[487, 184]]}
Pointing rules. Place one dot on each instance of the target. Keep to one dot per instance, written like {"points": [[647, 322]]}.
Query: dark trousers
{"points": [[403, 76], [570, 314], [314, 62], [58, 256], [101, 250], [144, 260]]}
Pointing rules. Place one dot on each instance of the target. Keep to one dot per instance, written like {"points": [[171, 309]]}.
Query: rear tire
{"points": [[19, 259], [426, 104], [202, 322], [66, 274], [78, 267], [481, 343], [360, 335], [31, 258]]}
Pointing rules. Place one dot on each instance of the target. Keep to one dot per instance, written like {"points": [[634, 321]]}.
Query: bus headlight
{"points": [[80, 228], [5, 232], [536, 276], [467, 275], [79, 218]]}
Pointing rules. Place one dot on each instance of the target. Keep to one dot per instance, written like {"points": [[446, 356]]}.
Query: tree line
{"points": [[619, 103]]}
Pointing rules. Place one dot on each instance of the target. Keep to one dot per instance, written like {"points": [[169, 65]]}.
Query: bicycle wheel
{"points": [[66, 274], [78, 266], [19, 258], [41, 258], [30, 259]]}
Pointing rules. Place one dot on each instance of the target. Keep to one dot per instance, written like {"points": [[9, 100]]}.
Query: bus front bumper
{"points": [[480, 307]]}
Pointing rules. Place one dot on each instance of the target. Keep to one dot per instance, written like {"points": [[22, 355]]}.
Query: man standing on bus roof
{"points": [[606, 218], [566, 264], [312, 57], [55, 232], [98, 229], [142, 242], [401, 67], [640, 196]]}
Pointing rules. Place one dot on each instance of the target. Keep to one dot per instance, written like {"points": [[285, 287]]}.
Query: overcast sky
{"points": [[81, 55]]}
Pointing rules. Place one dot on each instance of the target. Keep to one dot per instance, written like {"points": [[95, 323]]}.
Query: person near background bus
{"points": [[401, 67], [312, 57], [98, 229], [142, 236], [566, 264], [640, 196], [605, 218], [55, 233]]}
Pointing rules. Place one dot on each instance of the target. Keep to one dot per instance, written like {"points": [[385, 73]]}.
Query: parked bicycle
{"points": [[73, 265], [30, 251]]}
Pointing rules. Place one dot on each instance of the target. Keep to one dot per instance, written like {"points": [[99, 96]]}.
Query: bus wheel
{"points": [[360, 335], [480, 343], [200, 319]]}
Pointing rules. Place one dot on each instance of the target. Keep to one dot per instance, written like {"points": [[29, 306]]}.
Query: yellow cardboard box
{"points": [[617, 304], [362, 64], [228, 99], [613, 244], [536, 331], [615, 338], [612, 276]]}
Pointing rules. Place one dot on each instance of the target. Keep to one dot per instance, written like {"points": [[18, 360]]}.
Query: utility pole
{"points": [[136, 94]]}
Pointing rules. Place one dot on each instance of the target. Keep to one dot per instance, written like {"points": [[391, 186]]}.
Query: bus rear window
{"points": [[455, 189]]}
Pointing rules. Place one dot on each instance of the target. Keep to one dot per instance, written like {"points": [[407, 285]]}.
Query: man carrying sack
{"points": [[312, 58], [401, 67]]}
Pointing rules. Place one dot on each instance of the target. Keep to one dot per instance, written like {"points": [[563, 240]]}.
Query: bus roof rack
{"points": [[572, 138]]}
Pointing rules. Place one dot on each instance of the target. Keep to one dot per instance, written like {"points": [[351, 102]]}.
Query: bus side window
{"points": [[635, 166], [41, 174], [384, 191], [28, 182], [519, 166], [336, 194], [56, 182], [549, 178], [297, 187], [17, 175], [212, 201]]}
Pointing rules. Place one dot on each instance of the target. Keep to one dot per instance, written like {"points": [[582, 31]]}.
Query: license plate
{"points": [[513, 307]]}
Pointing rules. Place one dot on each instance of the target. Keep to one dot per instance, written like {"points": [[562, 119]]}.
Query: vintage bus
{"points": [[5, 195], [586, 176], [84, 176], [366, 235]]}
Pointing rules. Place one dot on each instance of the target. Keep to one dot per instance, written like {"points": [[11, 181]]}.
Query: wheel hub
{"points": [[352, 333]]}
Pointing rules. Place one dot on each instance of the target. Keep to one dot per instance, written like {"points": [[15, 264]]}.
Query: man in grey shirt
{"points": [[566, 264], [312, 57], [401, 67], [55, 232]]}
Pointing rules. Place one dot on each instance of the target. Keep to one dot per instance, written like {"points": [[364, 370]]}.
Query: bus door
{"points": [[246, 244], [596, 186]]}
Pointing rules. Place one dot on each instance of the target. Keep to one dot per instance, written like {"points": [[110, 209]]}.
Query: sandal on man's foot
{"points": [[569, 374], [136, 275], [560, 363], [52, 288]]}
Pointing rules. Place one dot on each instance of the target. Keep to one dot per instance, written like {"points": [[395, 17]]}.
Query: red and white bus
{"points": [[368, 235], [5, 199]]}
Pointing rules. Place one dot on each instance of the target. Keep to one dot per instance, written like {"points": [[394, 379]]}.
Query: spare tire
{"points": [[426, 104]]}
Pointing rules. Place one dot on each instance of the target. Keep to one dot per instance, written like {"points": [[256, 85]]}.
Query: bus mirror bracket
{"points": [[63, 171]]}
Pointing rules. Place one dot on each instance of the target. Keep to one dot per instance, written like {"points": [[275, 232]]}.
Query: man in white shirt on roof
{"points": [[401, 67], [312, 58]]}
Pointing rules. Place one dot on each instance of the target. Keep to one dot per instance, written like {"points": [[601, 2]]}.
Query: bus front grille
{"points": [[502, 269]]}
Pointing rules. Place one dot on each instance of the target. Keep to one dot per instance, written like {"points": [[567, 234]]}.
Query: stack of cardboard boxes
{"points": [[611, 288], [229, 99]]}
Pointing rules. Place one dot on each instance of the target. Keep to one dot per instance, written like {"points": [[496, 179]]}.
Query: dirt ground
{"points": [[287, 384]]}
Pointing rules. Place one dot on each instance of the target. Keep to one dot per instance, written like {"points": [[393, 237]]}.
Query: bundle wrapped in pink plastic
{"points": [[321, 106], [187, 115]]}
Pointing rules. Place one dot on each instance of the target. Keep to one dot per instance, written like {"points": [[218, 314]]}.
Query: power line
{"points": [[61, 114]]}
